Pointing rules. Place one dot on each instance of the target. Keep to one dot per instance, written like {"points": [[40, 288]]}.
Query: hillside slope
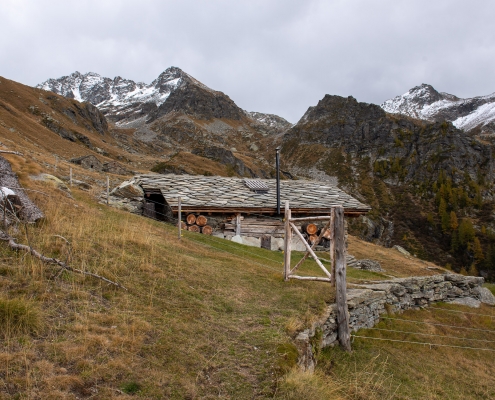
{"points": [[202, 318]]}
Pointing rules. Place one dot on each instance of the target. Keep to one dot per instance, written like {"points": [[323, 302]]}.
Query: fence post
{"points": [[287, 241], [108, 189], [332, 245], [340, 280], [179, 218], [70, 176]]}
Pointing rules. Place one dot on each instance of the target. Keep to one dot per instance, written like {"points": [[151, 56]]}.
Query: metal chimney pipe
{"points": [[277, 161]]}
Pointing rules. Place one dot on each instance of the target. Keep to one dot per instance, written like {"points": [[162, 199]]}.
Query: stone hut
{"points": [[88, 162], [243, 210]]}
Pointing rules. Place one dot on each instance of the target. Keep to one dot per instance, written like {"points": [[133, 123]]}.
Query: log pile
{"points": [[311, 232], [197, 223]]}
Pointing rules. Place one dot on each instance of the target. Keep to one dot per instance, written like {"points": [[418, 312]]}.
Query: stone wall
{"points": [[367, 302]]}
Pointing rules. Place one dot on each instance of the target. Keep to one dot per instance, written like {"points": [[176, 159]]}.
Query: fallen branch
{"points": [[49, 260], [11, 152]]}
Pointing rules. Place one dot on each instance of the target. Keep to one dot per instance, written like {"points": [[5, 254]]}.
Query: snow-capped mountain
{"points": [[129, 103], [424, 102], [120, 99]]}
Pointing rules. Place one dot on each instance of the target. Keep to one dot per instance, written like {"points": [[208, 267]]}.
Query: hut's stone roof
{"points": [[215, 192]]}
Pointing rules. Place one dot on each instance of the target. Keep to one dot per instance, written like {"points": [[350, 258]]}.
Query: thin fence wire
{"points": [[432, 334], [444, 325], [462, 312], [432, 345]]}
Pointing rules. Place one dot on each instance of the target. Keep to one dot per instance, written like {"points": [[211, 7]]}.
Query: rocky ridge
{"points": [[177, 114], [424, 102], [414, 174]]}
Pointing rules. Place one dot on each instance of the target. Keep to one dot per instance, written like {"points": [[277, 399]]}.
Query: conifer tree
{"points": [[454, 223]]}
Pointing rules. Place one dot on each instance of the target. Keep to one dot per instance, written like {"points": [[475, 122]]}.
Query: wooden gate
{"points": [[337, 276]]}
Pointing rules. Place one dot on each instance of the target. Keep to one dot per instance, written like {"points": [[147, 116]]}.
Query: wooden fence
{"points": [[337, 276]]}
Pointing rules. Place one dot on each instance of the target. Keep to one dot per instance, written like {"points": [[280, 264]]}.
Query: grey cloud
{"points": [[278, 56]]}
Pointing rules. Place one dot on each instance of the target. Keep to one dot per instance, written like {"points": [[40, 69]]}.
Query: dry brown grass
{"points": [[195, 323], [392, 261]]}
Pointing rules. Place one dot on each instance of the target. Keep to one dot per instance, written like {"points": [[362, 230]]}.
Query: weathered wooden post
{"points": [[238, 225], [332, 244], [179, 217], [108, 188], [287, 241], [70, 176], [340, 280]]}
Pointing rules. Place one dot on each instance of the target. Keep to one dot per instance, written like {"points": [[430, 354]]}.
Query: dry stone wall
{"points": [[367, 302]]}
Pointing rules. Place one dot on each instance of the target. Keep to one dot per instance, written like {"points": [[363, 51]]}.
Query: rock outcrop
{"points": [[28, 211]]}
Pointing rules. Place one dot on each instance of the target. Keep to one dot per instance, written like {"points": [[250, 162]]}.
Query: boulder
{"points": [[369, 265], [402, 250], [467, 301], [52, 180], [486, 296]]}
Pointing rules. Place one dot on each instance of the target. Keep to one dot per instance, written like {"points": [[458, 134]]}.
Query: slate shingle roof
{"points": [[217, 193]]}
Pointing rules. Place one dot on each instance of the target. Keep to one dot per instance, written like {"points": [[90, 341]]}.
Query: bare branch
{"points": [[11, 152], [49, 260]]}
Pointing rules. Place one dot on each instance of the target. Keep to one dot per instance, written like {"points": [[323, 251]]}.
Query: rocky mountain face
{"points": [[413, 173], [177, 113], [424, 102]]}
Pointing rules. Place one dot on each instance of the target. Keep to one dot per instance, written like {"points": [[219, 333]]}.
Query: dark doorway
{"points": [[156, 206]]}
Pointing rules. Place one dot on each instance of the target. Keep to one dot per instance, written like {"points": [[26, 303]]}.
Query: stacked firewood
{"points": [[197, 223], [311, 232]]}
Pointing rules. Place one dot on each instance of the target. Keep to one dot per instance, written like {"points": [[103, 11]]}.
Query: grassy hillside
{"points": [[202, 318]]}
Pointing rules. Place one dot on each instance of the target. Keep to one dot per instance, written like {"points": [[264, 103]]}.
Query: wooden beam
{"points": [[259, 210], [309, 278], [340, 280], [322, 218], [287, 242], [310, 250]]}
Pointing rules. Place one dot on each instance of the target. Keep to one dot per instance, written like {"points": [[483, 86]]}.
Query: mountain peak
{"points": [[424, 102]]}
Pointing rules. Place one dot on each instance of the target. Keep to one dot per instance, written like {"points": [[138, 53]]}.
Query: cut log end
{"points": [[312, 239], [182, 225], [193, 228], [191, 219], [207, 230], [327, 234], [201, 220], [311, 229]]}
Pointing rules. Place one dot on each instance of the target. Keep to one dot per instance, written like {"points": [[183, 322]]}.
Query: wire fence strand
{"points": [[423, 343], [444, 325], [432, 334]]}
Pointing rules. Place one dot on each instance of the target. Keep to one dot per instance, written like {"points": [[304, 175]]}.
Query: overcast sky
{"points": [[275, 56]]}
